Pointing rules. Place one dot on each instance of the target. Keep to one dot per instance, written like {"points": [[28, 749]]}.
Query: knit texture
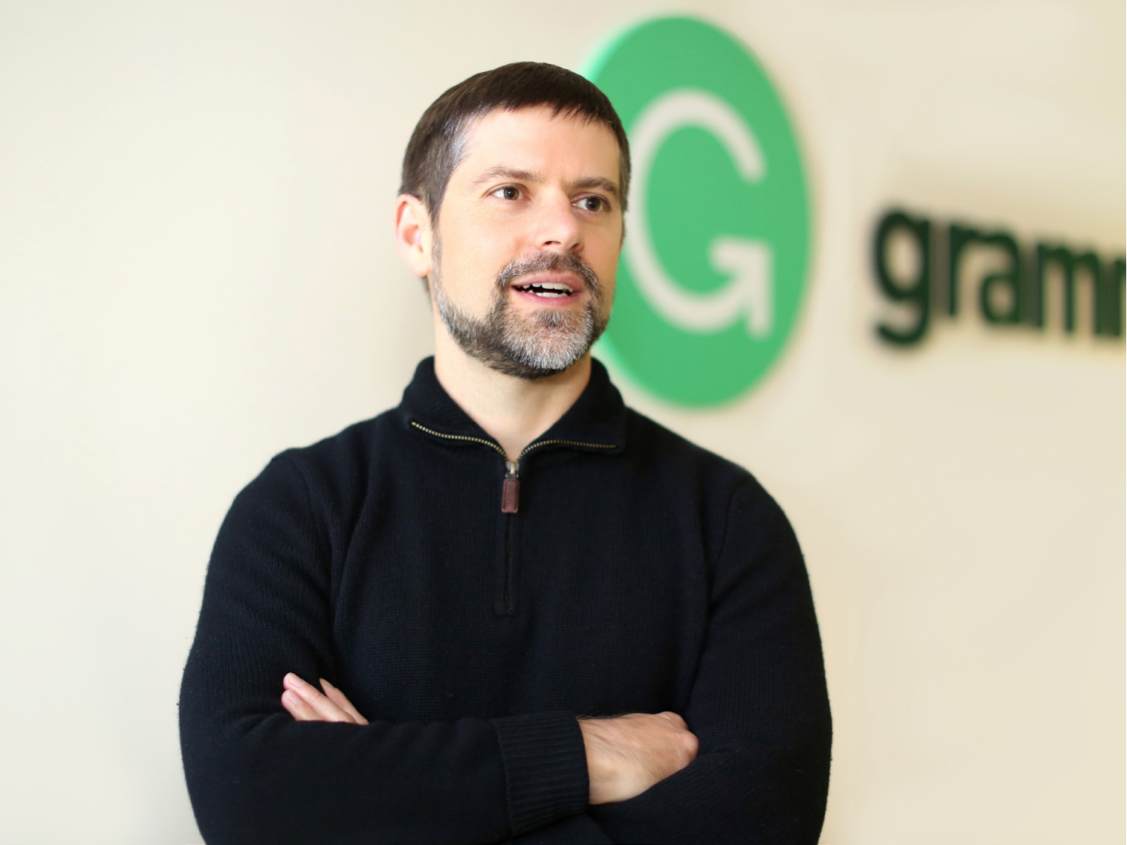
{"points": [[639, 574]]}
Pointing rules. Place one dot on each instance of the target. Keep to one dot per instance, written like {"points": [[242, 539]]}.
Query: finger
{"points": [[340, 700], [297, 708], [324, 709]]}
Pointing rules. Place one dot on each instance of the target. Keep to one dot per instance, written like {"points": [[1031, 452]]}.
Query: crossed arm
{"points": [[757, 705], [625, 755]]}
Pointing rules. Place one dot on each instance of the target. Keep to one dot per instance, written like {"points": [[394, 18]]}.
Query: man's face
{"points": [[527, 242]]}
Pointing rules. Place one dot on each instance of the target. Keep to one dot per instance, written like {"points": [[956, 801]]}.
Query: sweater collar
{"points": [[597, 417]]}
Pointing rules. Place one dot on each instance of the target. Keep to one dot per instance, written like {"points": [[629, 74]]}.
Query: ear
{"points": [[413, 234]]}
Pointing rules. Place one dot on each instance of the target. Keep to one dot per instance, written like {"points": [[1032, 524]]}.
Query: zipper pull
{"points": [[510, 489]]}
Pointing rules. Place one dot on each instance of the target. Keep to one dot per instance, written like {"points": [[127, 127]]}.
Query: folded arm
{"points": [[256, 775], [758, 704], [626, 755]]}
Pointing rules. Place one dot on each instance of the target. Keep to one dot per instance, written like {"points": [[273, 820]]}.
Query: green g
{"points": [[715, 258]]}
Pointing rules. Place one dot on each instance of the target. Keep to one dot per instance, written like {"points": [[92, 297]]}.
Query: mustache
{"points": [[543, 262]]}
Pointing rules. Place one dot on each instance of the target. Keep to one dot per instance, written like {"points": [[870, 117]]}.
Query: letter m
{"points": [[1068, 262]]}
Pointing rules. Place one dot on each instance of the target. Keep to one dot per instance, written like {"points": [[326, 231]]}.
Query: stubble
{"points": [[528, 347]]}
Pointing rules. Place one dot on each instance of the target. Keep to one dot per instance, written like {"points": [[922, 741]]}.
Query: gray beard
{"points": [[530, 348]]}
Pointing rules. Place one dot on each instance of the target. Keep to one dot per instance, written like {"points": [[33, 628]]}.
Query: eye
{"points": [[593, 204], [507, 192]]}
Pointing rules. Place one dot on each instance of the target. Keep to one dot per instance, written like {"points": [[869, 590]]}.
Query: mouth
{"points": [[548, 289]]}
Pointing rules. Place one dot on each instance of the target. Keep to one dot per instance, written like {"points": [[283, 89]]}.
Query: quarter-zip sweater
{"points": [[472, 610]]}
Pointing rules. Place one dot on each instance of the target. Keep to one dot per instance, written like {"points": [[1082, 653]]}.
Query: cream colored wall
{"points": [[196, 272]]}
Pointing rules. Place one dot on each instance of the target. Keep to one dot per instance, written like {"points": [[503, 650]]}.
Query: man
{"points": [[511, 608]]}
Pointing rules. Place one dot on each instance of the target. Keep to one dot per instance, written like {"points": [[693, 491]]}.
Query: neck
{"points": [[513, 411]]}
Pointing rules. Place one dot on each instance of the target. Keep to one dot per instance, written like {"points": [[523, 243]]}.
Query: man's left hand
{"points": [[306, 703]]}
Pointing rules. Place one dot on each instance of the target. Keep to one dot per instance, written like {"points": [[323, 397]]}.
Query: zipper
{"points": [[510, 492], [480, 440], [510, 487], [506, 572], [540, 443]]}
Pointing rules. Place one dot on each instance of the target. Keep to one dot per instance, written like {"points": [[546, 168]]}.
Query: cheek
{"points": [[469, 268], [484, 249], [604, 262]]}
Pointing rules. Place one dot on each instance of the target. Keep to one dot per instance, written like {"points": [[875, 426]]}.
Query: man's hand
{"points": [[629, 754], [306, 703]]}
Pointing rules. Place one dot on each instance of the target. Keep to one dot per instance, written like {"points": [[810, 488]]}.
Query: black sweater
{"points": [[639, 573]]}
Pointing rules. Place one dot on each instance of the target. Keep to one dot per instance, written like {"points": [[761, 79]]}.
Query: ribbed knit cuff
{"points": [[545, 768]]}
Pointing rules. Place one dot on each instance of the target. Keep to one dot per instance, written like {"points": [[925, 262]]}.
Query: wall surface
{"points": [[196, 271]]}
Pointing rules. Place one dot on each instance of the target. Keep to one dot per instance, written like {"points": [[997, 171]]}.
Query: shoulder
{"points": [[336, 467], [725, 494], [652, 444], [348, 447]]}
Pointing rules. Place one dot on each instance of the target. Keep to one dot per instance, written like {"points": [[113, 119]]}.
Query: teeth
{"points": [[546, 289]]}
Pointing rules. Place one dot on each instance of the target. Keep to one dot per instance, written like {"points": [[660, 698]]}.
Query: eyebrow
{"points": [[502, 172]]}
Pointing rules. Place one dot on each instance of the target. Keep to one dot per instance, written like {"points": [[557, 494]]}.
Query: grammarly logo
{"points": [[715, 258]]}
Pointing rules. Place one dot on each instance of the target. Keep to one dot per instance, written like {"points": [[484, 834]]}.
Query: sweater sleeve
{"points": [[574, 830], [255, 774], [758, 704]]}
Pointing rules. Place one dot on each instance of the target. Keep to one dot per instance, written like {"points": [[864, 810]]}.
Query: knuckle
{"points": [[692, 745]]}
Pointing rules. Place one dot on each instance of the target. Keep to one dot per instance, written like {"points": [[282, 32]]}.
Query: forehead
{"points": [[535, 140]]}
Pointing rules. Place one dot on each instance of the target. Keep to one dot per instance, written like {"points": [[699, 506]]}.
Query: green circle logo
{"points": [[715, 258]]}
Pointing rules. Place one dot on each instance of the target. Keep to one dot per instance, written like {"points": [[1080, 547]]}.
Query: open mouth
{"points": [[547, 290]]}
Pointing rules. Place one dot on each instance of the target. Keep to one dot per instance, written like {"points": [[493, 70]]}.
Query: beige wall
{"points": [[196, 272]]}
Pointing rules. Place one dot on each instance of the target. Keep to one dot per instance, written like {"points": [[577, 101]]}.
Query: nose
{"points": [[557, 225]]}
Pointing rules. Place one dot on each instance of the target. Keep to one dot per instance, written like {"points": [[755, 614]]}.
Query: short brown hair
{"points": [[437, 145]]}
